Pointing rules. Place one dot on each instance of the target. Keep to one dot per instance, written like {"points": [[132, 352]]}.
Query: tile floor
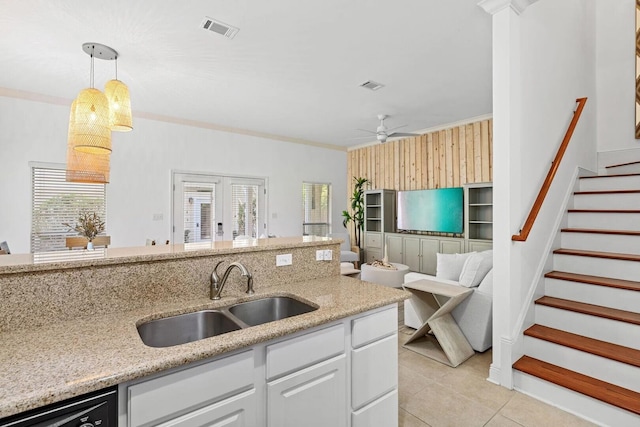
{"points": [[435, 395]]}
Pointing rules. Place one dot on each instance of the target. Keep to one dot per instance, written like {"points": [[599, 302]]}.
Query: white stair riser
{"points": [[611, 371], [618, 243], [634, 168], [584, 406], [607, 201], [605, 221], [600, 328], [594, 266], [610, 183], [621, 299]]}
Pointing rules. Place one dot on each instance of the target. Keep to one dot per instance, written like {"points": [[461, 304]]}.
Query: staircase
{"points": [[583, 352]]}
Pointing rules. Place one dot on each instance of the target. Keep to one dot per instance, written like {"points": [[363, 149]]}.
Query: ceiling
{"points": [[293, 70]]}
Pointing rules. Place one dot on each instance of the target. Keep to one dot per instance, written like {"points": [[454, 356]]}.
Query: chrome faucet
{"points": [[217, 284]]}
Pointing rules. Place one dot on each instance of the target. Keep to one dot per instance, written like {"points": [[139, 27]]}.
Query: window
{"points": [[316, 209], [244, 200], [55, 202]]}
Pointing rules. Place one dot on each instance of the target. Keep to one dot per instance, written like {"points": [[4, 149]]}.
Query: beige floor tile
{"points": [[410, 383], [500, 421], [405, 419], [422, 365], [476, 388], [441, 406], [531, 412]]}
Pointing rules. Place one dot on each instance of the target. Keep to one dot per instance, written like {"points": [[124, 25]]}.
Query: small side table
{"points": [[448, 344]]}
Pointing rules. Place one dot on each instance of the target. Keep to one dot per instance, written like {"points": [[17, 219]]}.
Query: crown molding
{"points": [[494, 6]]}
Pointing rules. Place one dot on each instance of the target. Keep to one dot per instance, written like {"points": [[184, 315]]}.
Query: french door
{"points": [[210, 207]]}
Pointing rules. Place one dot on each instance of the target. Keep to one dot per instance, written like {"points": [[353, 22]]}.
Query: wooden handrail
{"points": [[533, 214]]}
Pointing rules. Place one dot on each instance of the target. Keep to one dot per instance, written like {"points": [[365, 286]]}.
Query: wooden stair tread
{"points": [[610, 176], [592, 387], [594, 280], [621, 164], [605, 349], [607, 192], [590, 309], [601, 231], [598, 254], [622, 211]]}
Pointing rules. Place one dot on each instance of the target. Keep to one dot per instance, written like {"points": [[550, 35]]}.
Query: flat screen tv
{"points": [[438, 210]]}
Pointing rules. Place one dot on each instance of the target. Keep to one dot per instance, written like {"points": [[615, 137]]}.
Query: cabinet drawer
{"points": [[189, 388], [306, 350], [381, 413], [374, 371], [237, 411], [374, 326], [373, 240]]}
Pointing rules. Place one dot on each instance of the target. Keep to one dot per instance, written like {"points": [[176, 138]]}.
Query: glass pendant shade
{"points": [[119, 106], [92, 133], [81, 166]]}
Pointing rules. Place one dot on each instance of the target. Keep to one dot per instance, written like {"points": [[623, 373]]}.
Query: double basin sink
{"points": [[184, 328]]}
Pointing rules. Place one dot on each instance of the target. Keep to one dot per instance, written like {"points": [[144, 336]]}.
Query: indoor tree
{"points": [[357, 209]]}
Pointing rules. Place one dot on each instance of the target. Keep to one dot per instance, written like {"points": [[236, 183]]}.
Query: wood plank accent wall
{"points": [[445, 158]]}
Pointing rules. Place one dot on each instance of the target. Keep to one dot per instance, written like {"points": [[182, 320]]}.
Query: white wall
{"points": [[141, 165], [615, 62], [550, 63]]}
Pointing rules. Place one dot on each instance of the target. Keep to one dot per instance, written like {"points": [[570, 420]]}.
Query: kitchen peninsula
{"points": [[69, 328]]}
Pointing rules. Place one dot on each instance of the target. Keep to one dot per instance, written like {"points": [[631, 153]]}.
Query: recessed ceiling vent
{"points": [[370, 84], [219, 27]]}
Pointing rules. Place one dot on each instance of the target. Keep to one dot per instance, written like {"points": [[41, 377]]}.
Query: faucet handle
{"points": [[215, 279]]}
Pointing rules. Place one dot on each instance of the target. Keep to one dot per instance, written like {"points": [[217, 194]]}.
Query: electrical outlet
{"points": [[319, 255], [284, 259], [328, 255]]}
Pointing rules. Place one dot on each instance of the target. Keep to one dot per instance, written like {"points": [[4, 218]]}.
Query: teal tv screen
{"points": [[438, 210]]}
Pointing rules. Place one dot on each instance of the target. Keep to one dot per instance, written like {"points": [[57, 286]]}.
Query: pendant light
{"points": [[81, 166], [91, 129], [119, 104]]}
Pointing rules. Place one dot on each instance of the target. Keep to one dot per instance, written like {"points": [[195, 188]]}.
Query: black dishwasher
{"points": [[97, 409]]}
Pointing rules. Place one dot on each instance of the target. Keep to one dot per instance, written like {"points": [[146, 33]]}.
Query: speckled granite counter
{"points": [[57, 357]]}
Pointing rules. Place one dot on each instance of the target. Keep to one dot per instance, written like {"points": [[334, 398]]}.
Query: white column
{"points": [[507, 119]]}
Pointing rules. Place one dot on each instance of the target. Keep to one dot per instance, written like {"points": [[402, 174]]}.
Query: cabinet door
{"points": [[429, 260], [411, 252], [451, 246], [312, 397], [381, 413], [371, 255], [478, 246], [394, 249], [237, 411]]}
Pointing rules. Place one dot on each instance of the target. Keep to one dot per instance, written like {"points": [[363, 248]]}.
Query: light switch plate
{"points": [[328, 255], [284, 259], [319, 255]]}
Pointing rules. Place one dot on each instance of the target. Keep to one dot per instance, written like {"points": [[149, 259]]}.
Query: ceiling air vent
{"points": [[370, 84], [219, 27]]}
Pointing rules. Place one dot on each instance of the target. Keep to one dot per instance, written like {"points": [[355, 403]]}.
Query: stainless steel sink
{"points": [[269, 309], [185, 328]]}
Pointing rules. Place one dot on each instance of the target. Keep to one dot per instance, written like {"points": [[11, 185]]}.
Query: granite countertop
{"points": [[48, 364]]}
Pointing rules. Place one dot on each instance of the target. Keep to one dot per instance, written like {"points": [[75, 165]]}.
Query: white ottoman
{"points": [[381, 276]]}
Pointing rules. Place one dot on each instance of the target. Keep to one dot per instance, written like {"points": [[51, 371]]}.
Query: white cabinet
{"points": [[419, 253], [374, 369], [166, 397], [301, 379], [314, 396], [478, 216], [379, 218], [237, 411]]}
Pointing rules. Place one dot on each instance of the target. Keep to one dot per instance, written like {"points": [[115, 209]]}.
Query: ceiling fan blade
{"points": [[397, 127], [367, 130], [400, 134]]}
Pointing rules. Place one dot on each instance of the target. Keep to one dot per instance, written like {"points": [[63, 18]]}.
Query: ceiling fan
{"points": [[382, 132]]}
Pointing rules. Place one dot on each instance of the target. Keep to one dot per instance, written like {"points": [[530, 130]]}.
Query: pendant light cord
{"points": [[91, 69]]}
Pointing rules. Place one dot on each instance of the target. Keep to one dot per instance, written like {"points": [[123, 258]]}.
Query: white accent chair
{"points": [[346, 254]]}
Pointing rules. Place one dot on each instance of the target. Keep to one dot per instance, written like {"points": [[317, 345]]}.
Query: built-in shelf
{"points": [[479, 211]]}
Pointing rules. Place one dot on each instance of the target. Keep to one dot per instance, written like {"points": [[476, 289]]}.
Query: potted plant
{"points": [[357, 209], [89, 226]]}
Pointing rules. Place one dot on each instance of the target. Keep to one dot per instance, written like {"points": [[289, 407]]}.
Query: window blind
{"points": [[316, 209], [244, 202], [55, 202]]}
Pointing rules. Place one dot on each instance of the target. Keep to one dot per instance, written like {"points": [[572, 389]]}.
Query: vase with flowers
{"points": [[89, 225]]}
